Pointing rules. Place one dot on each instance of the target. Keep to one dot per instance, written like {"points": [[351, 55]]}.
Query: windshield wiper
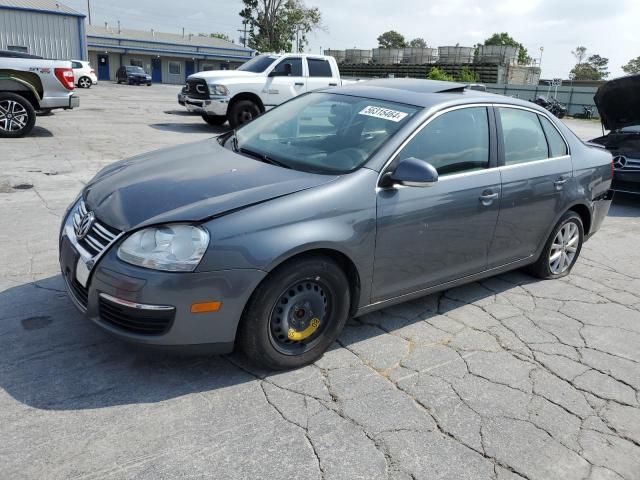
{"points": [[263, 157]]}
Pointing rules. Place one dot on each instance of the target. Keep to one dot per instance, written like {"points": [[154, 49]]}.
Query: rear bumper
{"points": [[600, 209], [67, 102], [626, 182]]}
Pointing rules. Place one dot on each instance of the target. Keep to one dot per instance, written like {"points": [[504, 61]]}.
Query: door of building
{"points": [[103, 67], [156, 70], [189, 68]]}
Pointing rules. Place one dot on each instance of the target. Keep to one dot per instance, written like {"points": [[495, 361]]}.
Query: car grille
{"points": [[626, 164], [80, 293], [197, 88], [100, 235], [134, 320]]}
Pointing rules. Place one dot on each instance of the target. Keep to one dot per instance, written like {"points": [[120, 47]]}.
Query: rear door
{"points": [[536, 172], [281, 87], [321, 74], [427, 236]]}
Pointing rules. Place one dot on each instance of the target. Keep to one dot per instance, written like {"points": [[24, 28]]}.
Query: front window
{"points": [[296, 67], [258, 64], [323, 132]]}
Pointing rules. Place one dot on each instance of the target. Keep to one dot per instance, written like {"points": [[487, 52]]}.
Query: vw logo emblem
{"points": [[86, 222], [619, 162]]}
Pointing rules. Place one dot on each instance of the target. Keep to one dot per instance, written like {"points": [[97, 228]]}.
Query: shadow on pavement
{"points": [[55, 359], [200, 127], [40, 132]]}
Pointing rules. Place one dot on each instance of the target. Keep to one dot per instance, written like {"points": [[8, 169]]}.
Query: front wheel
{"points": [[295, 314], [85, 82], [562, 249], [17, 115], [242, 111], [214, 120]]}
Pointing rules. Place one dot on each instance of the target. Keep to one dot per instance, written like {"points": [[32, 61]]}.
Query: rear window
{"points": [[524, 140], [319, 67]]}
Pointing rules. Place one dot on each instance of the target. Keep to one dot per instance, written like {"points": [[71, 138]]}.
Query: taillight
{"points": [[93, 71], [65, 77]]}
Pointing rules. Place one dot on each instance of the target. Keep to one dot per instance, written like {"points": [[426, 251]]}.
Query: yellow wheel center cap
{"points": [[306, 333]]}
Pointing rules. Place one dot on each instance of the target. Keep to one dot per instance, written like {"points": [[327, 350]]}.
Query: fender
{"points": [[9, 82]]}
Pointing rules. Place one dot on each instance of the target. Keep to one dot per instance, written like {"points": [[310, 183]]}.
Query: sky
{"points": [[608, 28]]}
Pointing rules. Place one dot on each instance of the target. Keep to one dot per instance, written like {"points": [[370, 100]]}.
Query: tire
{"points": [[214, 120], [242, 111], [306, 297], [546, 269], [85, 82], [17, 115]]}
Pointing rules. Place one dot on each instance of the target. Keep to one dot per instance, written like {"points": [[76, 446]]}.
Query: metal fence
{"points": [[573, 97]]}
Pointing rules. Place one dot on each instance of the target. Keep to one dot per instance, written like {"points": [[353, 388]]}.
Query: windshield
{"points": [[323, 132], [135, 70], [258, 64]]}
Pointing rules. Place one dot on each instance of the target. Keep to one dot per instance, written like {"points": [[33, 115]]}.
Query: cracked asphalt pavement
{"points": [[509, 378]]}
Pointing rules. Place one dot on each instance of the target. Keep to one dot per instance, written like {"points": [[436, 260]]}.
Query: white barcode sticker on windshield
{"points": [[385, 113]]}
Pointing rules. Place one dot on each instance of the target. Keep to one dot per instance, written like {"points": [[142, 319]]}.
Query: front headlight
{"points": [[173, 248], [218, 90]]}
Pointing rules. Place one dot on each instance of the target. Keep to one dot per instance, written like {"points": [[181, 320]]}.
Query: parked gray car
{"points": [[334, 204]]}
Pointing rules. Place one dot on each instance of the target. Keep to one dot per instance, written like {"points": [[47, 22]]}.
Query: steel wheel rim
{"points": [[313, 299], [564, 248], [13, 116]]}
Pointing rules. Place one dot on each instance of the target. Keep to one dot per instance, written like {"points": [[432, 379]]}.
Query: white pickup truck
{"points": [[262, 83]]}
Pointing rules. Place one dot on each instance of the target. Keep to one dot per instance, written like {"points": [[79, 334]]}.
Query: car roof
{"points": [[424, 93]]}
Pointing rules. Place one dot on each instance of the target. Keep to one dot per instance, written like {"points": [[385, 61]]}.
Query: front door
{"points": [[156, 70], [536, 174], [189, 68], [283, 86], [103, 67], [427, 236]]}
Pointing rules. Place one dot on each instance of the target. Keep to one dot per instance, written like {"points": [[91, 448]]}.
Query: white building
{"points": [[42, 27]]}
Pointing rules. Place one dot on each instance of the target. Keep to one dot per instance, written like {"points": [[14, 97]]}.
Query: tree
{"points": [[279, 25], [505, 39], [418, 43], [221, 36], [466, 75], [594, 68], [436, 74], [579, 53], [632, 67], [391, 39]]}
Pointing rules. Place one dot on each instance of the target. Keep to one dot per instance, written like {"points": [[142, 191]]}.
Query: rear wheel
{"points": [[562, 249], [242, 111], [295, 314], [85, 82], [17, 115], [215, 120]]}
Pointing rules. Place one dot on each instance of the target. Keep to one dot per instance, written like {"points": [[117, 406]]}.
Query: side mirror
{"points": [[411, 172]]}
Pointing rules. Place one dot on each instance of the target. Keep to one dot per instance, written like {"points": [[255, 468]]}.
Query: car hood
{"points": [[211, 74], [618, 102], [188, 183]]}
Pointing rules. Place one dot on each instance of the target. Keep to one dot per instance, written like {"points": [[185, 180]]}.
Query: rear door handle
{"points": [[333, 84], [560, 182], [299, 84]]}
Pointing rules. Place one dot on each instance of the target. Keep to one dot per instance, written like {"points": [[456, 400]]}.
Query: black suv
{"points": [[133, 75]]}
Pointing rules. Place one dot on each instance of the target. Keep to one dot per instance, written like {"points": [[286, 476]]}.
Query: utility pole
{"points": [[244, 34], [89, 10]]}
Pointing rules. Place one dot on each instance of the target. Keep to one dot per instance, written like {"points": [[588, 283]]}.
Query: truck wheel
{"points": [[85, 82], [242, 111], [17, 115], [215, 120]]}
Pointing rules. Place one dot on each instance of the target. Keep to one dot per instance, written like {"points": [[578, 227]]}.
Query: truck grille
{"points": [[133, 320], [197, 88], [99, 236]]}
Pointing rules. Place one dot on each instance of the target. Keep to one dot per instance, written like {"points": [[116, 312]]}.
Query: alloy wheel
{"points": [[13, 116], [564, 248], [85, 82]]}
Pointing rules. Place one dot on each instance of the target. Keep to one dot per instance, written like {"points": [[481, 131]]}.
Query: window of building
{"points": [[175, 68], [454, 142], [319, 67], [557, 145], [136, 62], [17, 48], [524, 140]]}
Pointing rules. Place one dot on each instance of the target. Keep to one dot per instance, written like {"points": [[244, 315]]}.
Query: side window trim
{"points": [[546, 138], [553, 125]]}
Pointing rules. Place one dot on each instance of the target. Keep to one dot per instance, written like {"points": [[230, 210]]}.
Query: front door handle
{"points": [[488, 197], [299, 84], [333, 84]]}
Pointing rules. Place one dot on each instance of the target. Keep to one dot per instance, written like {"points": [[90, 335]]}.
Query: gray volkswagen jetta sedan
{"points": [[334, 204]]}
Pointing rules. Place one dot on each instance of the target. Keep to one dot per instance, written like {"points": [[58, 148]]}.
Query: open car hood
{"points": [[618, 102]]}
